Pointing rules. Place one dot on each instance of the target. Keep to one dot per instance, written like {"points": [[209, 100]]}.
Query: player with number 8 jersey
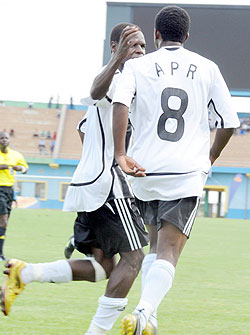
{"points": [[174, 90]]}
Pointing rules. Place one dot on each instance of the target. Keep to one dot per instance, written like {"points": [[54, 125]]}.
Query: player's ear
{"points": [[113, 46], [157, 34], [157, 38], [187, 37]]}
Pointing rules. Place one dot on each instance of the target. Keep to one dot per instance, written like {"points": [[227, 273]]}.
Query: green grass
{"points": [[210, 294]]}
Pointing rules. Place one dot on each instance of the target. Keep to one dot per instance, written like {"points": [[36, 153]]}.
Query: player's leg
{"points": [[114, 301], [19, 274], [93, 268], [6, 198], [3, 227], [90, 269], [124, 274], [148, 210], [172, 237], [124, 235]]}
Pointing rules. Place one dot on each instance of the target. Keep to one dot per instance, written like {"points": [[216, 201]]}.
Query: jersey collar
{"points": [[172, 47]]}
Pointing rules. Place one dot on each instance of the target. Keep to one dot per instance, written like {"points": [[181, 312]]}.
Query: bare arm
{"points": [[102, 82], [222, 137], [4, 166], [20, 168], [120, 124]]}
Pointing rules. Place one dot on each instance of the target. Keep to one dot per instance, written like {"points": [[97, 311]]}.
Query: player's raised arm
{"points": [[222, 137], [120, 52], [120, 123]]}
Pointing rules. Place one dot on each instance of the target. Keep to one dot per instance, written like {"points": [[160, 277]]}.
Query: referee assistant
{"points": [[10, 162]]}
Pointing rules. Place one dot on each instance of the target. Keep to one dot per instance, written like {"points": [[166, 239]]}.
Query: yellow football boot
{"points": [[130, 325], [13, 284]]}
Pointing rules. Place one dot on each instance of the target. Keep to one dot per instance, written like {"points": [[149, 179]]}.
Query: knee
{"points": [[108, 265], [135, 260]]}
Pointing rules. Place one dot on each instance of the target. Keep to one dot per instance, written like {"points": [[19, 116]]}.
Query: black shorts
{"points": [[181, 212], [114, 228], [6, 198]]}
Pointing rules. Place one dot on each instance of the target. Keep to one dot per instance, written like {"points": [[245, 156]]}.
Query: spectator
{"points": [[43, 135], [48, 136], [30, 105], [36, 134], [12, 132], [52, 146], [54, 136], [42, 146], [50, 102], [71, 103], [57, 102]]}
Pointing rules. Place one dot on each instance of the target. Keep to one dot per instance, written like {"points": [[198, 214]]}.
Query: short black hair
{"points": [[117, 30], [173, 23]]}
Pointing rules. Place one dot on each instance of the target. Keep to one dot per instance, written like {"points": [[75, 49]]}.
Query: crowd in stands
{"points": [[43, 146]]}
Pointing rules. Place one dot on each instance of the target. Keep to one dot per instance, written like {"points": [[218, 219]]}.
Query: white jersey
{"points": [[96, 179], [174, 89]]}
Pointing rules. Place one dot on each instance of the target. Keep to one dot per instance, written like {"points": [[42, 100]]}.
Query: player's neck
{"points": [[4, 150], [170, 44]]}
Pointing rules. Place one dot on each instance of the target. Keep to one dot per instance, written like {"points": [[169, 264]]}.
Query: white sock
{"points": [[53, 272], [108, 311], [157, 283], [146, 264]]}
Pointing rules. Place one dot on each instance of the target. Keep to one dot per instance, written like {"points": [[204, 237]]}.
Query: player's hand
{"points": [[17, 167], [130, 166], [127, 40]]}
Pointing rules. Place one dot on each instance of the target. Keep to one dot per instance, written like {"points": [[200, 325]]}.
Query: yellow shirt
{"points": [[11, 157]]}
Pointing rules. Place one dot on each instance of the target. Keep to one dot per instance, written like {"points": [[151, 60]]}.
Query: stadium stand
{"points": [[27, 121], [70, 141], [236, 153]]}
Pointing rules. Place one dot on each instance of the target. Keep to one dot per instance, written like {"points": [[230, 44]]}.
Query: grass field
{"points": [[210, 295]]}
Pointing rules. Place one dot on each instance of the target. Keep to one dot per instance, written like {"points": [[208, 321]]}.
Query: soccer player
{"points": [[173, 89], [108, 222], [10, 162]]}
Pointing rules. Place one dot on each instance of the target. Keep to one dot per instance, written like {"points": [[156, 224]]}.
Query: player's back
{"points": [[171, 118]]}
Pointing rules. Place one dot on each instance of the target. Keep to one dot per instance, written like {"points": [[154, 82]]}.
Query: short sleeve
{"points": [[126, 86], [222, 113], [21, 161]]}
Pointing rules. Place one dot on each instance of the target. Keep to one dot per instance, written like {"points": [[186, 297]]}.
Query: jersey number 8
{"points": [[172, 114]]}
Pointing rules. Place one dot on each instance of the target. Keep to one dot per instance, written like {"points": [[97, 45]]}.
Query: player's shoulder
{"points": [[199, 58], [141, 61]]}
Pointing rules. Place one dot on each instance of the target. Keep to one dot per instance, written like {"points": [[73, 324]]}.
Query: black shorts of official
{"points": [[181, 212], [115, 227], [6, 198]]}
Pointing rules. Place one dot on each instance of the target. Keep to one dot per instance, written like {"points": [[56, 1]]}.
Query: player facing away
{"points": [[170, 158], [108, 221]]}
